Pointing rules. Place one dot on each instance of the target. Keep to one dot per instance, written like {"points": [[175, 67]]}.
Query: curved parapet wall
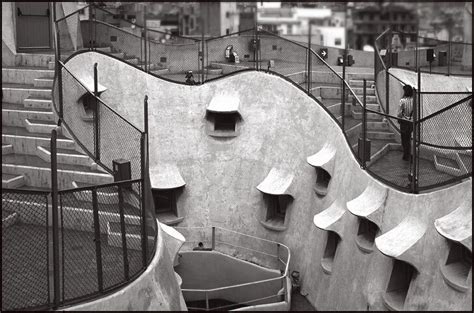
{"points": [[281, 126], [157, 289]]}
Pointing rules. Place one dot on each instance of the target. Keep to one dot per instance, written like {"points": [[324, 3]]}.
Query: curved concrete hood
{"points": [[166, 176], [173, 240], [324, 158], [457, 225], [88, 82], [224, 103], [404, 241], [369, 203], [331, 218], [277, 182]]}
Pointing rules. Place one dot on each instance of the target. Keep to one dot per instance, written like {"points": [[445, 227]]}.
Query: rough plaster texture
{"points": [[156, 289], [281, 127], [8, 27]]}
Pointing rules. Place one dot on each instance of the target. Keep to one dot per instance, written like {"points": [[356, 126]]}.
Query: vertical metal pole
{"points": [[98, 247], [449, 55], [126, 270], [343, 95], [91, 14], [58, 67], [144, 203], [213, 238], [207, 301], [202, 51], [364, 125], [96, 114], [309, 58], [417, 52], [390, 49], [145, 35], [95, 29], [55, 213], [387, 92]]}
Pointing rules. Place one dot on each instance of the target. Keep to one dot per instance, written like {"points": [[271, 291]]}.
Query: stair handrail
{"points": [[72, 13]]}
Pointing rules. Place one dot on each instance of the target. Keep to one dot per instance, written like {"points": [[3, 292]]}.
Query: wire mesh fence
{"points": [[25, 250], [101, 240]]}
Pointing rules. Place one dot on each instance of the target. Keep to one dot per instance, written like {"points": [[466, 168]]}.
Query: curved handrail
{"points": [[70, 14]]}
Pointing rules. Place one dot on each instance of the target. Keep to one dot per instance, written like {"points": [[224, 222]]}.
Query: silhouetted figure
{"points": [[199, 247], [405, 112], [190, 78]]}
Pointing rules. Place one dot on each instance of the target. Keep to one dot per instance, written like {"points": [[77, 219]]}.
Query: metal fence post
{"points": [[309, 59], [449, 57], [390, 49], [144, 197], [207, 301], [145, 38], [55, 215], [91, 14], [213, 238], [96, 115], [58, 68], [364, 125], [98, 247], [124, 235], [387, 92], [343, 99]]}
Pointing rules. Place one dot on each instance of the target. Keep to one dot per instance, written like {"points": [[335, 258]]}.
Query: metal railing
{"points": [[263, 252]]}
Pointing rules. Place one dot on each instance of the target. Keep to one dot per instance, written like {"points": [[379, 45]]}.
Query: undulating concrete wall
{"points": [[8, 30], [156, 289], [280, 128]]}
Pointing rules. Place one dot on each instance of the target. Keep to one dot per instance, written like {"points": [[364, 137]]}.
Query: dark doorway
{"points": [[33, 25]]}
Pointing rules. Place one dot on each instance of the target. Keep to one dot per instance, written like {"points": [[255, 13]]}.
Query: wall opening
{"points": [[322, 181], [366, 235], [166, 207], [223, 124], [398, 285], [457, 267], [276, 211], [332, 243]]}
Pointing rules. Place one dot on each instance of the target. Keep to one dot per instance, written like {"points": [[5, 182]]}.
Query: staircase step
{"points": [[369, 99], [381, 135], [360, 76], [370, 116], [65, 156], [12, 181], [51, 65], [378, 126], [104, 195], [132, 60], [360, 83], [25, 75], [39, 126], [151, 66], [38, 103], [370, 106], [160, 71], [33, 59], [43, 82], [17, 116], [7, 149], [17, 93], [360, 91], [9, 218]]}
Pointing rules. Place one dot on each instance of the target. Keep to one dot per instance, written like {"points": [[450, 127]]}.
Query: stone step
{"points": [[105, 196], [7, 149], [39, 126], [9, 219], [132, 60], [65, 156], [51, 65], [12, 180], [37, 172], [44, 82], [360, 83], [369, 106], [369, 99], [380, 135], [381, 126], [151, 66], [160, 71], [17, 93], [33, 59], [360, 91], [360, 76], [16, 116], [25, 142], [24, 75], [38, 103], [370, 116]]}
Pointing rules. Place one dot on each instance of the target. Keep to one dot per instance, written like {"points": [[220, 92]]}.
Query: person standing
{"points": [[405, 112]]}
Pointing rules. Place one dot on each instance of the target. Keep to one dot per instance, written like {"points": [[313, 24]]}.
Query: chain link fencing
{"points": [[25, 250]]}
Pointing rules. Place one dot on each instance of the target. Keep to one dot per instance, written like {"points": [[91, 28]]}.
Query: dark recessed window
{"points": [[224, 122], [113, 38], [274, 47], [398, 285], [322, 181], [163, 60], [165, 200], [366, 234], [333, 240], [227, 31], [276, 207], [457, 267], [337, 41]]}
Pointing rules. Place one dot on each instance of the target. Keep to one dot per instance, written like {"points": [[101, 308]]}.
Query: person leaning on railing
{"points": [[405, 112]]}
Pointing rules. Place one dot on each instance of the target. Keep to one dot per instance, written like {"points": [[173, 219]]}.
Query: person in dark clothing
{"points": [[190, 78], [405, 112]]}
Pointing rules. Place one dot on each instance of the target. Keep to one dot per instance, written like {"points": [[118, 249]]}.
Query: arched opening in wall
{"points": [[322, 181], [332, 243], [276, 206], [458, 266], [398, 285], [166, 207], [223, 124], [366, 235]]}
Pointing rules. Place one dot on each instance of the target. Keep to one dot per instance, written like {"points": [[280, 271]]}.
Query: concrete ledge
{"points": [[369, 203], [331, 218], [324, 158], [457, 225], [277, 182], [401, 242], [174, 241], [166, 176]]}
